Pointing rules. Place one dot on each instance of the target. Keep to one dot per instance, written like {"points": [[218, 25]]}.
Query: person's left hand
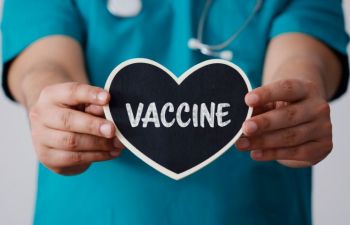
{"points": [[291, 124]]}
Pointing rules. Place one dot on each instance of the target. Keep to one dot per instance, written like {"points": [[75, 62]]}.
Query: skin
{"points": [[292, 116], [68, 129], [291, 122]]}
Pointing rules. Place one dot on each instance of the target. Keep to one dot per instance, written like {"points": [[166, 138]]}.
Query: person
{"points": [[57, 55]]}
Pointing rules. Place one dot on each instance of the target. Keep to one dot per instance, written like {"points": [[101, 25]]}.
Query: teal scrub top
{"points": [[233, 190]]}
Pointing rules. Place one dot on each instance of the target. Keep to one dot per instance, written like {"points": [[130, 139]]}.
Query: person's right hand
{"points": [[68, 129]]}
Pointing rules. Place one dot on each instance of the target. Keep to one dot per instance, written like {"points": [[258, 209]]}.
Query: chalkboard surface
{"points": [[177, 125]]}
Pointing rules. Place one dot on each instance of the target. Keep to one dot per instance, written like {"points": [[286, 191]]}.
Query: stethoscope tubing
{"points": [[119, 8]]}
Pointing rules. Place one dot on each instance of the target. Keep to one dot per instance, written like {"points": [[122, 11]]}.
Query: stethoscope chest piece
{"points": [[124, 8]]}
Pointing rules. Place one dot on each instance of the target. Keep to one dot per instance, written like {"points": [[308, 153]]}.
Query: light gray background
{"points": [[331, 180]]}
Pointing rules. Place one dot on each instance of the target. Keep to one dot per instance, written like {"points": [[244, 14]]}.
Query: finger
{"points": [[95, 110], [290, 90], [79, 122], [289, 137], [284, 117], [61, 158], [311, 152], [72, 94], [296, 164], [71, 170], [262, 109], [78, 142]]}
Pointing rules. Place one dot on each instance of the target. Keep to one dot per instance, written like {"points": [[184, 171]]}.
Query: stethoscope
{"points": [[131, 8]]}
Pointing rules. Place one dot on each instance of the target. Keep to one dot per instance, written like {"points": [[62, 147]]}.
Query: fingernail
{"points": [[106, 130], [243, 143], [117, 143], [250, 127], [251, 99], [257, 154], [102, 96], [115, 153]]}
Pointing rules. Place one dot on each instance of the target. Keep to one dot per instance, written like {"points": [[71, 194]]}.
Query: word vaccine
{"points": [[197, 115]]}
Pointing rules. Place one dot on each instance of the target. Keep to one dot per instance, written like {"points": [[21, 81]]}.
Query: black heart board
{"points": [[177, 125]]}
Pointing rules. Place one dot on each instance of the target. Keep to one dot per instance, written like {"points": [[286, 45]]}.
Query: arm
{"points": [[49, 61], [68, 133], [292, 122], [300, 56]]}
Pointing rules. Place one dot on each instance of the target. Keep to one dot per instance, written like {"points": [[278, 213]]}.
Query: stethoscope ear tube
{"points": [[218, 50]]}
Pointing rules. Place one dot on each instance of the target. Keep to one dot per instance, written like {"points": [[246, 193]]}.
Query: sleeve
{"points": [[323, 20], [25, 22]]}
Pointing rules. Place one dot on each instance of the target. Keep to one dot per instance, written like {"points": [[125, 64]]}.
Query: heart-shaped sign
{"points": [[177, 125]]}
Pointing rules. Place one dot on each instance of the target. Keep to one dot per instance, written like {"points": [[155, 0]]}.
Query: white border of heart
{"points": [[178, 80]]}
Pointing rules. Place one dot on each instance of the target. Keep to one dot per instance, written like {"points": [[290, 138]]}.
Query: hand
{"points": [[291, 124], [67, 129]]}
